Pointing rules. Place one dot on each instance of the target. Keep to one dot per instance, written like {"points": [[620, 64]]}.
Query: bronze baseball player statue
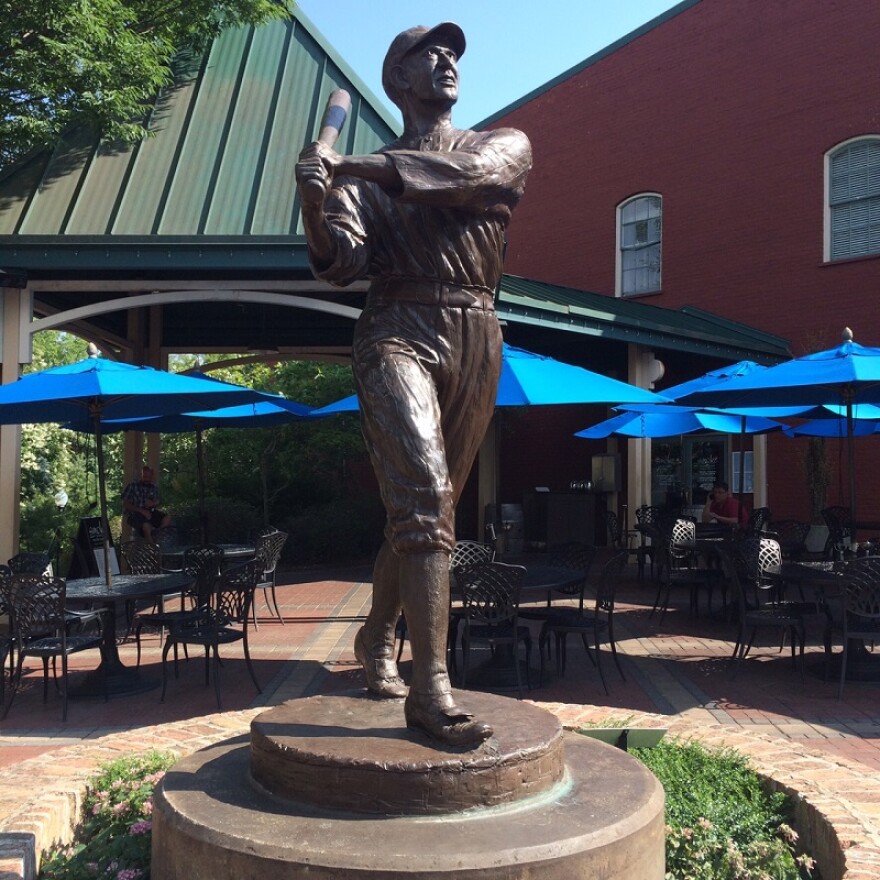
{"points": [[423, 218]]}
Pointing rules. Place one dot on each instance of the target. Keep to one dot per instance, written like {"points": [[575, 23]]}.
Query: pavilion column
{"points": [[133, 455], [154, 357], [16, 311], [644, 371], [759, 470]]}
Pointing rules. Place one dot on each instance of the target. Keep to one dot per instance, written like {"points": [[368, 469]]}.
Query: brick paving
{"points": [[678, 676]]}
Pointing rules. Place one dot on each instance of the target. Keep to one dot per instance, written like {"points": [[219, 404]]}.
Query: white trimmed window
{"points": [[854, 199], [639, 228]]}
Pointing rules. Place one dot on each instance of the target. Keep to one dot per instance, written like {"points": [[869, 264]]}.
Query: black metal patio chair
{"points": [[490, 599], [223, 621], [41, 628], [597, 622]]}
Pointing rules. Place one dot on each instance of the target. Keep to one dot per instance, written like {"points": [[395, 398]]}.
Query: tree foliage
{"points": [[278, 471], [99, 61]]}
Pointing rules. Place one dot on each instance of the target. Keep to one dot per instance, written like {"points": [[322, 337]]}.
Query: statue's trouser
{"points": [[427, 374]]}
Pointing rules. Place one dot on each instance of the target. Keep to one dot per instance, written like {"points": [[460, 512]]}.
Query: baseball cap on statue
{"points": [[447, 32]]}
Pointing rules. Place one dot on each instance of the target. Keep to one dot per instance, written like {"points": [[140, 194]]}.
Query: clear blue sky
{"points": [[513, 46]]}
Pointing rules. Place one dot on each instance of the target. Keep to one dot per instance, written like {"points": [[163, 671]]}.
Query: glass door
{"points": [[707, 459]]}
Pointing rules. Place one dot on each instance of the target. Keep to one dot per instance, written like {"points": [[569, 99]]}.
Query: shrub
{"points": [[720, 822], [113, 841]]}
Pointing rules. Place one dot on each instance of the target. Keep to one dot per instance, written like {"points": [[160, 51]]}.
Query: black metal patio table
{"points": [[112, 675], [172, 557]]}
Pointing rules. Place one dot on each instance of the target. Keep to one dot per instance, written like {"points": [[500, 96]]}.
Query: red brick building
{"points": [[691, 164]]}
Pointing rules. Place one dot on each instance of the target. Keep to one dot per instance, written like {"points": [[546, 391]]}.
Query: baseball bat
{"points": [[335, 114]]}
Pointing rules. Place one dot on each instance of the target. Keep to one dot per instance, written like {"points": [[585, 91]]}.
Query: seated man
{"points": [[722, 507], [140, 500]]}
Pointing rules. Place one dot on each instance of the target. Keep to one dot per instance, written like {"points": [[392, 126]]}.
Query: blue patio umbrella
{"points": [[529, 379], [832, 428], [99, 389], [85, 394], [669, 424], [830, 421], [845, 376], [269, 412], [670, 420]]}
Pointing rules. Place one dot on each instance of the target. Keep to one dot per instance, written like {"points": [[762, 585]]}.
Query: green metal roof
{"points": [[593, 314], [219, 163]]}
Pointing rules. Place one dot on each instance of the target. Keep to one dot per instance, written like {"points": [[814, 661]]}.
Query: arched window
{"points": [[854, 199], [639, 238]]}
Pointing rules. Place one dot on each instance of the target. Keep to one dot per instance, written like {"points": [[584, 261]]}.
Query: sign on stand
{"points": [[88, 557]]}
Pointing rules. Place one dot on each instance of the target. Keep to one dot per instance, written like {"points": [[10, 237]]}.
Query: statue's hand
{"points": [[314, 172]]}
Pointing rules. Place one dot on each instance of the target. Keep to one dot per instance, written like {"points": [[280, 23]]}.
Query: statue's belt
{"points": [[387, 291]]}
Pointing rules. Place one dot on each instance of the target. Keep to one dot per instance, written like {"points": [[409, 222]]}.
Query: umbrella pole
{"points": [[102, 493], [742, 463], [851, 455], [200, 468]]}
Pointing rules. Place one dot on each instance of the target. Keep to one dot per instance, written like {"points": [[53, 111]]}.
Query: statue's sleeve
{"points": [[347, 216], [486, 173]]}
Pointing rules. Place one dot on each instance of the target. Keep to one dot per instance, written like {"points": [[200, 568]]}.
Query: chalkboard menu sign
{"points": [[88, 555]]}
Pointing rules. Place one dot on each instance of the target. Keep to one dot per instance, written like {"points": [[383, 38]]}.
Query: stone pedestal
{"points": [[337, 787]]}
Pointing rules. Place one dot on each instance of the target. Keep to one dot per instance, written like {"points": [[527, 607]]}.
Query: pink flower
{"points": [[141, 828], [121, 807], [129, 874], [147, 808]]}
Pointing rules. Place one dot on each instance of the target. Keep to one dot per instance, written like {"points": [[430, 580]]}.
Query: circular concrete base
{"points": [[352, 752], [604, 818]]}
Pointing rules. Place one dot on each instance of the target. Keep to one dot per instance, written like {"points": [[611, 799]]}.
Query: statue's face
{"points": [[431, 74]]}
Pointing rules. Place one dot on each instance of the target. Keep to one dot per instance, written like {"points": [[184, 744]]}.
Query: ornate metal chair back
{"points": [[647, 515], [840, 527], [792, 536], [29, 563], [467, 553], [203, 564], [37, 607], [761, 559], [682, 537], [235, 593], [612, 572], [578, 557], [863, 588], [141, 557], [759, 521], [268, 547], [612, 524], [490, 592]]}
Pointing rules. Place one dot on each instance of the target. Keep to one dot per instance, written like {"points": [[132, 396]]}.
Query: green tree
{"points": [[99, 61], [280, 471]]}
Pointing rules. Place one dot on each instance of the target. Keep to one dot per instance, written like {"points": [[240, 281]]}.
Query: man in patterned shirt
{"points": [[140, 500]]}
